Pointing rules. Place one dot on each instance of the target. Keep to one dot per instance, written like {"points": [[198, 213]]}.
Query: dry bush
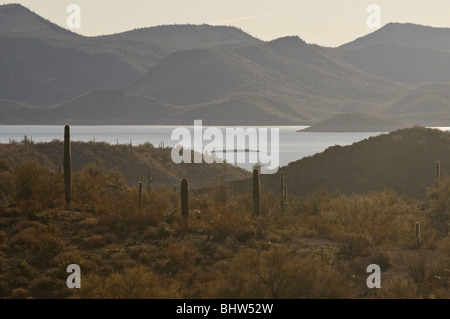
{"points": [[428, 273], [64, 259], [94, 241], [439, 203], [417, 268], [122, 209], [232, 223], [144, 253], [19, 293], [37, 239], [3, 240], [179, 257], [382, 216], [221, 193], [278, 273], [398, 288], [4, 165], [356, 246], [89, 185], [34, 188], [18, 273], [381, 258], [4, 291], [132, 283], [45, 287]]}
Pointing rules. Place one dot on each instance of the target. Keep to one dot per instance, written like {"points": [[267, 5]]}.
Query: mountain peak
{"points": [[12, 6], [406, 34], [292, 40], [293, 47], [19, 20]]}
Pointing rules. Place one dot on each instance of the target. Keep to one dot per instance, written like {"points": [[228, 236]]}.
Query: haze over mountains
{"points": [[174, 74]]}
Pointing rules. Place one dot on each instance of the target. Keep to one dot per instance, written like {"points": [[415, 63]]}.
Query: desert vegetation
{"points": [[160, 241]]}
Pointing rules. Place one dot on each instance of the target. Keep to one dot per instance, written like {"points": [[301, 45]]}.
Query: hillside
{"points": [[403, 161], [107, 107], [316, 73], [132, 162], [356, 122], [402, 52], [426, 105], [139, 245], [406, 34], [244, 109], [142, 48], [17, 20], [201, 75], [44, 64], [38, 73], [146, 47], [400, 63], [302, 81]]}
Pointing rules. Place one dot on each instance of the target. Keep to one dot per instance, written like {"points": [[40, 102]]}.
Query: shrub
{"points": [[232, 223], [132, 283], [37, 239], [35, 188], [4, 165], [440, 205], [278, 273], [417, 268], [356, 245], [398, 288]]}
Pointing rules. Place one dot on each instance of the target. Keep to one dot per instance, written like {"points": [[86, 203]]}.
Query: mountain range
{"points": [[177, 73]]}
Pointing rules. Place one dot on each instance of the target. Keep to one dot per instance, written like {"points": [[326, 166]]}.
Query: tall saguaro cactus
{"points": [[141, 195], [67, 165], [184, 199], [256, 192], [283, 192], [438, 174], [417, 233]]}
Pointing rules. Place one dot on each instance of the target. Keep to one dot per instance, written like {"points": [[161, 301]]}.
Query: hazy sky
{"points": [[325, 22]]}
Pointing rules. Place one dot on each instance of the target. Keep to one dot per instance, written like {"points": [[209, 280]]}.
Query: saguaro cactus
{"points": [[67, 165], [256, 192], [184, 199], [141, 195], [283, 192], [438, 174], [417, 231]]}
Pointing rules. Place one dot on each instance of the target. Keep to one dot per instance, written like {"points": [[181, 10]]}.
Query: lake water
{"points": [[292, 145]]}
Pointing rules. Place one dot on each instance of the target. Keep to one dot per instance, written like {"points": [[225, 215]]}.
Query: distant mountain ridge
{"points": [[171, 74], [406, 34]]}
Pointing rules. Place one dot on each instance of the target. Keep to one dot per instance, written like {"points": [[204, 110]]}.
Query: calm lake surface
{"points": [[292, 145]]}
